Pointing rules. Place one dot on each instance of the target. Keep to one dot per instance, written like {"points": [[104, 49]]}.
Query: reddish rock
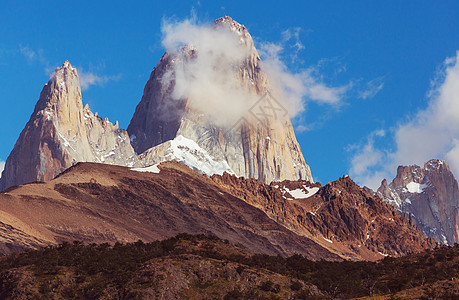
{"points": [[340, 216]]}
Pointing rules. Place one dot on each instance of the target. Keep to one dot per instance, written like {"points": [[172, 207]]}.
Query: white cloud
{"points": [[27, 52], [34, 55], [201, 71], [371, 88], [88, 79], [430, 133], [297, 88], [203, 76], [366, 160], [302, 128], [291, 37], [2, 166]]}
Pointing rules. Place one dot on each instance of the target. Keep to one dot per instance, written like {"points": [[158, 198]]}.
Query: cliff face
{"points": [[429, 196], [255, 145], [60, 133]]}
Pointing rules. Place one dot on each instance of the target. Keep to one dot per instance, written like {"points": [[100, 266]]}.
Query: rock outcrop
{"points": [[61, 132], [261, 146], [428, 197], [340, 216]]}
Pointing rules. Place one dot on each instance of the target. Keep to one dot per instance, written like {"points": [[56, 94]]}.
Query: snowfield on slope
{"points": [[188, 152]]}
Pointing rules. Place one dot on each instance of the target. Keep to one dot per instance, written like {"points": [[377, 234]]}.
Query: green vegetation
{"points": [[92, 271]]}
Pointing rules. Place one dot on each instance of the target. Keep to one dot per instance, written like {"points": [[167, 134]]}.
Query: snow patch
{"points": [[408, 201], [330, 241], [300, 193], [311, 191], [2, 167], [66, 143], [383, 254], [189, 153], [297, 194], [414, 187], [151, 169]]}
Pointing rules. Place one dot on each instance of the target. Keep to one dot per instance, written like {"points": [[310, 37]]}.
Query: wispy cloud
{"points": [[291, 38], [297, 88], [27, 52], [366, 162], [88, 79], [430, 133], [302, 128], [34, 55], [371, 88]]}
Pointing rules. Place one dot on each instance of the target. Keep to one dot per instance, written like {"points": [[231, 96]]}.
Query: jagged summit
{"points": [[263, 149], [429, 195], [233, 25], [60, 133]]}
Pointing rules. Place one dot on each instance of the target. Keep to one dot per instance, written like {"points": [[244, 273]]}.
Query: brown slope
{"points": [[341, 216], [104, 203]]}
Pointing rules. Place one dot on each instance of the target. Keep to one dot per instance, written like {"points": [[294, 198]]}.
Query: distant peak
{"points": [[435, 164], [229, 21], [224, 19], [66, 65]]}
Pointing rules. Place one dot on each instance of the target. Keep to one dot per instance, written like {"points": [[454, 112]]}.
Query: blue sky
{"points": [[386, 54]]}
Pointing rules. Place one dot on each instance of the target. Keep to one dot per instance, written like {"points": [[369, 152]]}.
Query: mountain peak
{"points": [[430, 194], [228, 20], [65, 68], [436, 164], [67, 64], [226, 122]]}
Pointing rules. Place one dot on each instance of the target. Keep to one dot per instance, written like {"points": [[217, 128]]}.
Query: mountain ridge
{"points": [[61, 132], [101, 203]]}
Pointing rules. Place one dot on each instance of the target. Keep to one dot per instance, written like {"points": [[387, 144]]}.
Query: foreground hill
{"points": [[105, 203], [98, 203], [191, 267]]}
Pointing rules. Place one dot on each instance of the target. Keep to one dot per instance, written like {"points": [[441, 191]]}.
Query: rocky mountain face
{"points": [[427, 196], [340, 216], [61, 132], [261, 147]]}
